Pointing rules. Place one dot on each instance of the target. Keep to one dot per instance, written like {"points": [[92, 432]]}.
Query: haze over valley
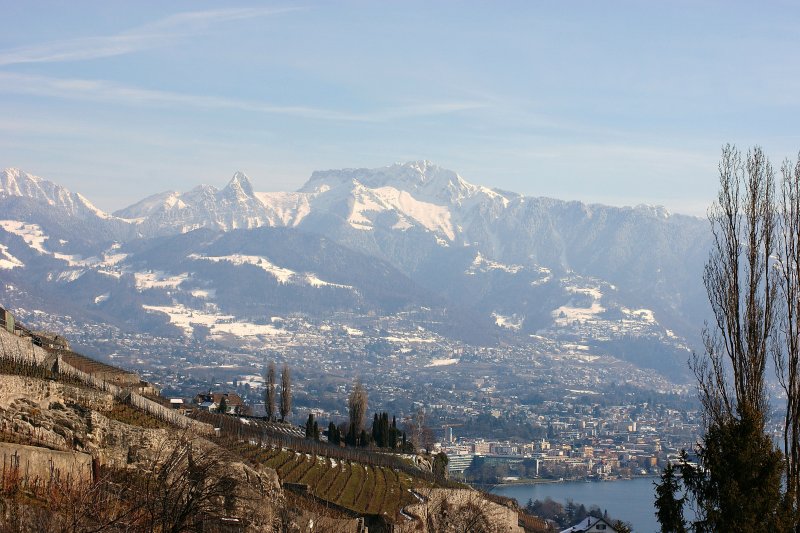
{"points": [[408, 268]]}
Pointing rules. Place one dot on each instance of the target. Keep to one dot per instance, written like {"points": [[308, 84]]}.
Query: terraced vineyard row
{"points": [[91, 366], [126, 414], [368, 489]]}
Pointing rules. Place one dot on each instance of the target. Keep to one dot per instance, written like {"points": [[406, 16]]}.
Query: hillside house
{"points": [[211, 401], [591, 525]]}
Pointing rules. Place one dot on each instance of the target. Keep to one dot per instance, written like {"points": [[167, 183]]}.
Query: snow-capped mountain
{"points": [[16, 183], [488, 263], [234, 206]]}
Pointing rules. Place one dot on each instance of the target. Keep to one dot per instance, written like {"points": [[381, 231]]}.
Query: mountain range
{"points": [[470, 263]]}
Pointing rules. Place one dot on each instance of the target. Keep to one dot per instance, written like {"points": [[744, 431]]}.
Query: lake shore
{"points": [[539, 481], [630, 499]]}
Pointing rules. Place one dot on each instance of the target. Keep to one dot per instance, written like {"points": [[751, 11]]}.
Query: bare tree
{"points": [[357, 409], [420, 433], [741, 288], [286, 392], [186, 488], [787, 358], [270, 391], [183, 487], [465, 511], [738, 483]]}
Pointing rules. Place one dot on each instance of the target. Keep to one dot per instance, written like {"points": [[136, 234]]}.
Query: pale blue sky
{"points": [[613, 102]]}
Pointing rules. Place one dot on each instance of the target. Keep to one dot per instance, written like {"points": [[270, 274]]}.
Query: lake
{"points": [[630, 500]]}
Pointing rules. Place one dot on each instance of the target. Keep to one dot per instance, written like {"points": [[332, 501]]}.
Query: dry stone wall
{"points": [[21, 349], [42, 465], [463, 507]]}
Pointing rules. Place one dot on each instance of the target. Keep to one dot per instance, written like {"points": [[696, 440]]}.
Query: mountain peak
{"points": [[16, 182], [240, 182]]}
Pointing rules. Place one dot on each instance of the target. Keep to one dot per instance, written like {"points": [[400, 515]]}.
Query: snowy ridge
{"points": [[232, 207], [14, 182]]}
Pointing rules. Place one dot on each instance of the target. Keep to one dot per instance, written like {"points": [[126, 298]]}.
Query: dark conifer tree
{"points": [[393, 434], [376, 430], [310, 426], [669, 504]]}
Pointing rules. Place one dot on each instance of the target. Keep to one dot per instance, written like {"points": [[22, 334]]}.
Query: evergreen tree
{"points": [[223, 405], [440, 461], [738, 486], [333, 434], [669, 506], [385, 430], [393, 434], [310, 426], [376, 430], [357, 410]]}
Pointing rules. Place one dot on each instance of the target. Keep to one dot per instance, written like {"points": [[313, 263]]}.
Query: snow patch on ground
{"points": [[408, 339], [68, 276], [509, 322], [431, 216], [31, 233], [403, 224], [481, 264], [205, 294], [442, 362], [8, 261], [158, 280], [645, 315], [546, 276], [353, 332], [34, 237], [567, 314], [186, 319], [282, 275], [253, 380], [314, 281]]}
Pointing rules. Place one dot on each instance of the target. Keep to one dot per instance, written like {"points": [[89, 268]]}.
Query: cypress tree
{"points": [[376, 430], [393, 434], [310, 426]]}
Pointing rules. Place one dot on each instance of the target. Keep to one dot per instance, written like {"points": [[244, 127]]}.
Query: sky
{"points": [[613, 102]]}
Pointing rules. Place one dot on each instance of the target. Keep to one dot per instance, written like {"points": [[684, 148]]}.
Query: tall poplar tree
{"points": [[737, 486], [270, 391], [286, 392]]}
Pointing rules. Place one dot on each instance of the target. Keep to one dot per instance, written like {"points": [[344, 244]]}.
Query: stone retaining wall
{"points": [[33, 464]]}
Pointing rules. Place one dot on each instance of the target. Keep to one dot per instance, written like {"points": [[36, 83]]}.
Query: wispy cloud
{"points": [[105, 91], [148, 36]]}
